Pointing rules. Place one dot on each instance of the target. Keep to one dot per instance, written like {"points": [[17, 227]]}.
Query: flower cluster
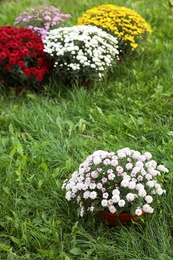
{"points": [[22, 60], [81, 53], [123, 22], [125, 181], [41, 19]]}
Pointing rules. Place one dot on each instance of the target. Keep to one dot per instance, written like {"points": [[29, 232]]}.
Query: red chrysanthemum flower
{"points": [[22, 59], [3, 55]]}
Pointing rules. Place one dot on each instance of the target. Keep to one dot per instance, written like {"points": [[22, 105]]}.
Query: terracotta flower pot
{"points": [[20, 89], [115, 219]]}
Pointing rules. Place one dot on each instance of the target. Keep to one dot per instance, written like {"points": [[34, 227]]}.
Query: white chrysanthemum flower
{"points": [[106, 184], [143, 172], [104, 203], [136, 155], [148, 176], [126, 177], [106, 162], [130, 197], [110, 171], [72, 183], [136, 169], [139, 186], [85, 187], [142, 158], [142, 193], [79, 179], [121, 203], [162, 168], [115, 192], [79, 185], [140, 178], [131, 185], [138, 212], [153, 172], [119, 169], [68, 187], [151, 164], [116, 198], [92, 186], [86, 194], [111, 176], [75, 175], [68, 195], [93, 195], [148, 199], [139, 164], [105, 195], [74, 189], [121, 154], [125, 150], [110, 202], [159, 191], [81, 169], [94, 175], [97, 160], [157, 185], [112, 209], [114, 162], [88, 46], [147, 155], [147, 208], [150, 184], [88, 181], [93, 65], [99, 186], [124, 183], [129, 166]]}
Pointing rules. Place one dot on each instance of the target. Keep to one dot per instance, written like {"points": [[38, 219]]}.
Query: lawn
{"points": [[45, 136]]}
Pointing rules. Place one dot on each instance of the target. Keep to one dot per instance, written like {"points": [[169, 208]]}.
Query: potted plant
{"points": [[22, 59], [126, 24], [41, 19], [122, 182], [81, 53]]}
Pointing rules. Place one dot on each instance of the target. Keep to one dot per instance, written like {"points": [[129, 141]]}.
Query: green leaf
{"points": [[43, 165], [11, 129], [40, 182], [44, 252], [76, 251], [20, 149], [16, 240], [171, 3], [100, 110], [4, 247], [6, 190], [13, 152]]}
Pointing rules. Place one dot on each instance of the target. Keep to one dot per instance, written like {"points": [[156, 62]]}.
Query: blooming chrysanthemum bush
{"points": [[81, 53], [41, 19], [125, 23], [22, 59], [125, 181]]}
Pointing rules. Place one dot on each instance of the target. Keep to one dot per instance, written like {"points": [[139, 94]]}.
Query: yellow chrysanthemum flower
{"points": [[123, 22]]}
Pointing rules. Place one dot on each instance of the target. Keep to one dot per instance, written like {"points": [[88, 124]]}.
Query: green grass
{"points": [[44, 137]]}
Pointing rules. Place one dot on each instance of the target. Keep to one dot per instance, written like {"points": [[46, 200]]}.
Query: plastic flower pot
{"points": [[116, 219]]}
